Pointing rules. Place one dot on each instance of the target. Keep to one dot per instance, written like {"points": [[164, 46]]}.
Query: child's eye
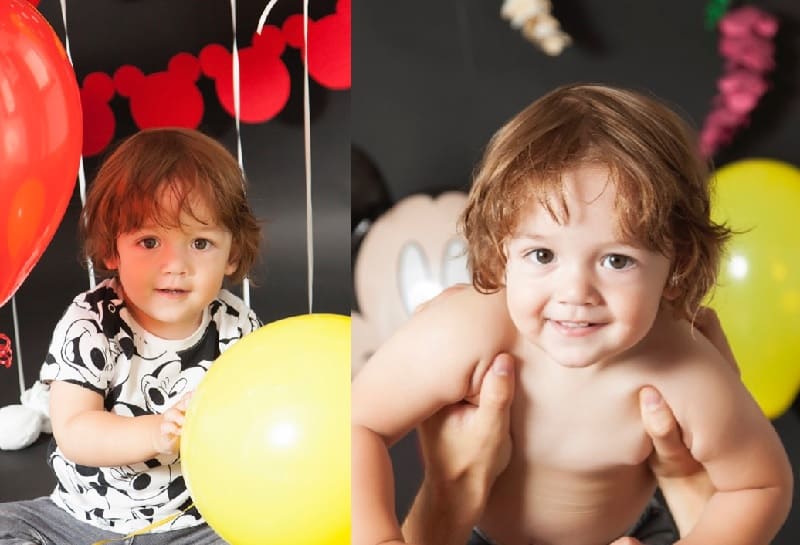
{"points": [[148, 243], [542, 256], [201, 244], [617, 262]]}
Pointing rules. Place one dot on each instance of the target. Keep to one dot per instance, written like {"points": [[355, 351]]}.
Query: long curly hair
{"points": [[661, 182]]}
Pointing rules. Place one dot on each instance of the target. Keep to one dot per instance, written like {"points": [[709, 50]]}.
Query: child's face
{"points": [[577, 290], [170, 275]]}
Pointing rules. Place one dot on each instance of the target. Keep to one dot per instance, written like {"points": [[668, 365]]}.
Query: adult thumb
{"points": [[497, 389]]}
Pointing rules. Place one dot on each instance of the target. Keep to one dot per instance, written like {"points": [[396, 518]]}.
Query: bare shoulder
{"points": [[684, 362]]}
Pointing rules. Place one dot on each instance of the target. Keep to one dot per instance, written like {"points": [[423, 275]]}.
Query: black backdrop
{"points": [[433, 80], [106, 34]]}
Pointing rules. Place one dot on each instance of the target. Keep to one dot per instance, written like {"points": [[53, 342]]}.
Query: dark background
{"points": [[433, 80], [106, 34]]}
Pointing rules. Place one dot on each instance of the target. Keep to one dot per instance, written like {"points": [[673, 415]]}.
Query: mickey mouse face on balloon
{"points": [[411, 253]]}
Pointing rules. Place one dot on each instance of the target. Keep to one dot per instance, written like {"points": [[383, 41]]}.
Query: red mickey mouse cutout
{"points": [[99, 123], [263, 77], [172, 98], [328, 45], [163, 99]]}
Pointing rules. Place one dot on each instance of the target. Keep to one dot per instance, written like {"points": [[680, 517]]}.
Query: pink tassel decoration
{"points": [[746, 36]]}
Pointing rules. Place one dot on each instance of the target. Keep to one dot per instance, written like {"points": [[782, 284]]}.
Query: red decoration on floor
{"points": [[264, 82], [328, 44], [5, 351], [163, 99], [99, 123]]}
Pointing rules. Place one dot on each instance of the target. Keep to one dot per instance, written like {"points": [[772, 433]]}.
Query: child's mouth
{"points": [[171, 292]]}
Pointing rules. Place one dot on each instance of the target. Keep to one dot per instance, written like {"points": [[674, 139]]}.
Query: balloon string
{"points": [[17, 347], [237, 124], [263, 18], [306, 147], [146, 529], [81, 170]]}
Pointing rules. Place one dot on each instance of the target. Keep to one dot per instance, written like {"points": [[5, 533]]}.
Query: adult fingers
{"points": [[497, 389], [627, 541], [660, 424]]}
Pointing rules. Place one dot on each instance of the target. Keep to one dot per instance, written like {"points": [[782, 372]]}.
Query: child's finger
{"points": [[169, 429], [175, 416]]}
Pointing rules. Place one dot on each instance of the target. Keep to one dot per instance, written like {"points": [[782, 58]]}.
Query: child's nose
{"points": [[175, 260], [578, 287]]}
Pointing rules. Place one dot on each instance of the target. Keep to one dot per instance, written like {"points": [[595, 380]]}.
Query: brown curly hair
{"points": [[184, 162], [662, 183]]}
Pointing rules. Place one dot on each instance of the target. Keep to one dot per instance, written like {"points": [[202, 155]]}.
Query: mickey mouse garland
{"points": [[172, 98]]}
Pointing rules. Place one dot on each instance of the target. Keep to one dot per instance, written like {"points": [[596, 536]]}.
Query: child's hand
{"points": [[169, 431]]}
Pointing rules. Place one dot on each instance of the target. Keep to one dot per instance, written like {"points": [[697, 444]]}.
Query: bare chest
{"points": [[579, 423], [578, 468]]}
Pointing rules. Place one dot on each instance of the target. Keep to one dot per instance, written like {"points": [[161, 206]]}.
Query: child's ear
{"points": [[672, 289], [111, 263], [231, 267]]}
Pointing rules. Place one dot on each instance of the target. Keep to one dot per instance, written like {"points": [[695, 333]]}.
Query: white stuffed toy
{"points": [[20, 425]]}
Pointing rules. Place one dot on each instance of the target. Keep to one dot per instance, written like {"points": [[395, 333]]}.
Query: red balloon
{"points": [[41, 132]]}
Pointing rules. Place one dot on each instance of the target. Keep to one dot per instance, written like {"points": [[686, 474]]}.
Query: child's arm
{"points": [[89, 435], [436, 359], [738, 447]]}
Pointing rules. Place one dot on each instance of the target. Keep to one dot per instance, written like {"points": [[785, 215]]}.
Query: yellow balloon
{"points": [[758, 296], [265, 447]]}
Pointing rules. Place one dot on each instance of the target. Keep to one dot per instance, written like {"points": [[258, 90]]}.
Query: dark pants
{"points": [[42, 522], [654, 527]]}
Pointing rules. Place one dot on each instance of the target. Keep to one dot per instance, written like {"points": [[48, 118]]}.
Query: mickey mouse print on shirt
{"points": [[97, 345]]}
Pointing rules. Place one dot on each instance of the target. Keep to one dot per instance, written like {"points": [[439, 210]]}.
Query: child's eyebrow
{"points": [[527, 236]]}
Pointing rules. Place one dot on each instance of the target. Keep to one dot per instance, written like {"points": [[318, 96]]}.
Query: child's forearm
{"points": [[102, 438], [686, 497], [444, 513], [373, 517], [742, 517]]}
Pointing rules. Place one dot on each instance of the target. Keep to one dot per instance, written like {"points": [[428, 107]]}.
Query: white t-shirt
{"points": [[98, 345]]}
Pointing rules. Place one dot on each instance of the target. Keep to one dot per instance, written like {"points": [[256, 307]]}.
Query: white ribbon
{"points": [[307, 148]]}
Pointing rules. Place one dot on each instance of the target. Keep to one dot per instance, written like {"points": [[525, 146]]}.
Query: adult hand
{"points": [[473, 441], [468, 443], [683, 481], [465, 447]]}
